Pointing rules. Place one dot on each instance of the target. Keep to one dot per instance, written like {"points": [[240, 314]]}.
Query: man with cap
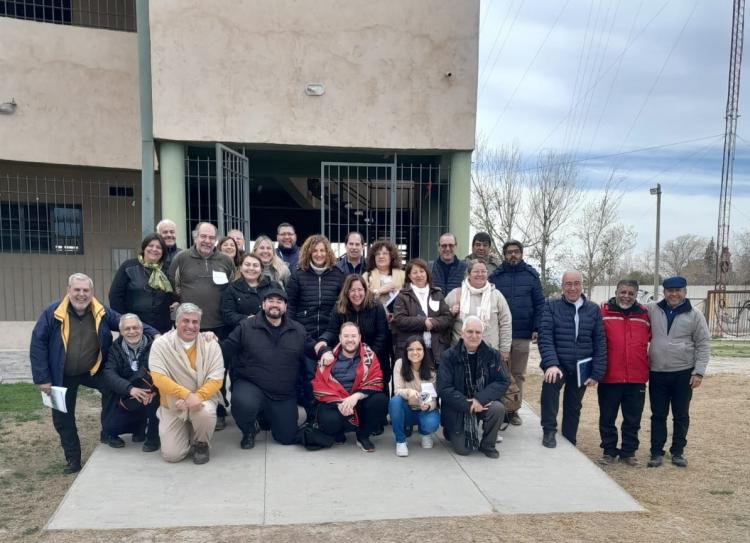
{"points": [[481, 245], [268, 350], [678, 358]]}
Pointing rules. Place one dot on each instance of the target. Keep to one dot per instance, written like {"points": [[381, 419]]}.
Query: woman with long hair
{"points": [[421, 309], [414, 398], [229, 247], [141, 286], [273, 266]]}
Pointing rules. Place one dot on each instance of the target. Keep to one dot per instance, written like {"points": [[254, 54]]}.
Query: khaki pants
{"points": [[178, 429], [519, 358]]}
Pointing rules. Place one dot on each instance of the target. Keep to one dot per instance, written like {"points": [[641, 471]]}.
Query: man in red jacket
{"points": [[628, 331]]}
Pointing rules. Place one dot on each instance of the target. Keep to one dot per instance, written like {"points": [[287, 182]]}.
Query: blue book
{"points": [[583, 370]]}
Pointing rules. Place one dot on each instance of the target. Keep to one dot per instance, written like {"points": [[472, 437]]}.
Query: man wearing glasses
{"points": [[447, 270], [571, 330]]}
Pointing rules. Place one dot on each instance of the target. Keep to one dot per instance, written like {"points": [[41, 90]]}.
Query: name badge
{"points": [[220, 278]]}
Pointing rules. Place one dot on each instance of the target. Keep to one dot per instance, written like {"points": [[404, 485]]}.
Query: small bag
{"points": [[128, 403], [312, 439]]}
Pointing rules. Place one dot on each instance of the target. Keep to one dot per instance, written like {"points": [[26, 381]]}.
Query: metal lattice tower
{"points": [[730, 136]]}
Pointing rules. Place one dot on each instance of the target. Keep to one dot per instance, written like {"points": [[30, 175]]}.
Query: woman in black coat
{"points": [[244, 296], [140, 286]]}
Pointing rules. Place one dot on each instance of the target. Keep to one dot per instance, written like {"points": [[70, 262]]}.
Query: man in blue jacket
{"points": [[519, 283], [447, 270], [69, 346], [571, 330]]}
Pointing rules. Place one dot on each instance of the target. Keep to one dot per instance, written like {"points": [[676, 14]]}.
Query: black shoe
{"points": [[679, 460], [200, 452], [365, 444], [139, 437], [514, 419], [655, 461], [151, 445], [378, 431], [221, 423], [115, 442], [248, 441], [549, 440], [73, 466], [490, 452]]}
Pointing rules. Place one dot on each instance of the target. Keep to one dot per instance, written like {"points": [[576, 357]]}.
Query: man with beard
{"points": [[287, 249]]}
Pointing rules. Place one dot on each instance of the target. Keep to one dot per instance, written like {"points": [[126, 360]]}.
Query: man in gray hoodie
{"points": [[678, 357]]}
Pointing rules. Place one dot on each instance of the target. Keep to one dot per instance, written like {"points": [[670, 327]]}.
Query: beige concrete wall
{"points": [[236, 72], [77, 95]]}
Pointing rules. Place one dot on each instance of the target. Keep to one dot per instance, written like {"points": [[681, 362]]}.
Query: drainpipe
{"points": [[147, 132]]}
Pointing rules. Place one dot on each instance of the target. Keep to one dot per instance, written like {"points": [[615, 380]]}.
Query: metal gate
{"points": [[728, 313], [406, 203], [218, 188]]}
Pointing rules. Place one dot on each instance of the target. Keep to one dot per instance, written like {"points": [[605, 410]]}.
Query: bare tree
{"points": [[553, 196], [497, 188], [604, 241], [678, 253]]}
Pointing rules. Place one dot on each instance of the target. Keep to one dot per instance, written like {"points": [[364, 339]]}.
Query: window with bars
{"points": [[41, 228], [108, 14]]}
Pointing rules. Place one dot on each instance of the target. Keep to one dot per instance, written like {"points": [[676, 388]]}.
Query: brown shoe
{"points": [[631, 461], [200, 452], [514, 419]]}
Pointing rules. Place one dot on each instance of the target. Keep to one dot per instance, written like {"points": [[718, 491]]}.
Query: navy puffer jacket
{"points": [[447, 282], [312, 298], [522, 289], [558, 344]]}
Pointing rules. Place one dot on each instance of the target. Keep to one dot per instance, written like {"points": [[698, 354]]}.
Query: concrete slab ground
{"points": [[273, 484]]}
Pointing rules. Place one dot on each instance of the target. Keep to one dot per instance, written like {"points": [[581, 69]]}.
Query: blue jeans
{"points": [[401, 415]]}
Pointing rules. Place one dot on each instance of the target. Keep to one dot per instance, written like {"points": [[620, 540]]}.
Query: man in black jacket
{"points": [[268, 351], [471, 383]]}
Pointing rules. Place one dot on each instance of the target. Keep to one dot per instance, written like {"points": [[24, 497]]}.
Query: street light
{"points": [[657, 190]]}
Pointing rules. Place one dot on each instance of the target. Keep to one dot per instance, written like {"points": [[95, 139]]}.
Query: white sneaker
{"points": [[427, 442], [402, 449], [499, 439]]}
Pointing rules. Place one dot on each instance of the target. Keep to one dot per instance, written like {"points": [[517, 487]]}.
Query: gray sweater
{"points": [[686, 345]]}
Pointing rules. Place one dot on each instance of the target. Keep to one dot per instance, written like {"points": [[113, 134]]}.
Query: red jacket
{"points": [[628, 333]]}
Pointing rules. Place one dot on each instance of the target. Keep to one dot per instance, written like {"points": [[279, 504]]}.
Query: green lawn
{"points": [[739, 349], [19, 398]]}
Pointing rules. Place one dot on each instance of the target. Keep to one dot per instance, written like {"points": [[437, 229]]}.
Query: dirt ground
{"points": [[708, 501]]}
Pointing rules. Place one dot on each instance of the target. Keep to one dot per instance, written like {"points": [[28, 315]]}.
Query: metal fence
{"points": [[728, 313], [107, 14], [51, 227]]}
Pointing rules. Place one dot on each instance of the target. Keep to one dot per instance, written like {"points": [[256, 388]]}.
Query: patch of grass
{"points": [[19, 398], [738, 349]]}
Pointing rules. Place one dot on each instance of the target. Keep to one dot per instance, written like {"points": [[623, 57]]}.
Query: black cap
{"points": [[274, 291]]}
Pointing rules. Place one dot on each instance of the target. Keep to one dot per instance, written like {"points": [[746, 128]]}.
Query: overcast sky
{"points": [[615, 77]]}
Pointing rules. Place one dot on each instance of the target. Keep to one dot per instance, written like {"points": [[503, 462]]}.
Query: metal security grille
{"points": [[728, 313], [51, 227], [218, 185], [406, 203], [108, 14]]}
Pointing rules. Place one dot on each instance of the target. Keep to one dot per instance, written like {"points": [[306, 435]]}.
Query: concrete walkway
{"points": [[273, 484]]}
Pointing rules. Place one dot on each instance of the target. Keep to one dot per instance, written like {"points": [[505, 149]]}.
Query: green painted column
{"points": [[460, 200], [173, 199]]}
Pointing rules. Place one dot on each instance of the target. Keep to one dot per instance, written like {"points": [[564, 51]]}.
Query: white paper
{"points": [[220, 278], [434, 305], [56, 399], [392, 297], [430, 389]]}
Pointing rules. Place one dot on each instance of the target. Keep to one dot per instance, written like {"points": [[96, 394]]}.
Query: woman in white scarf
{"points": [[477, 296]]}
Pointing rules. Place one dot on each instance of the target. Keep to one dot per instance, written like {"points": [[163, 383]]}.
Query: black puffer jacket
{"points": [[312, 298], [373, 325], [239, 300], [130, 293]]}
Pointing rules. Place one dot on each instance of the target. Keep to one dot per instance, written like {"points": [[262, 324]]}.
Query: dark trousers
{"points": [[491, 421], [572, 398], [667, 388], [630, 397], [250, 403], [116, 420], [221, 334], [370, 412], [304, 387], [65, 423]]}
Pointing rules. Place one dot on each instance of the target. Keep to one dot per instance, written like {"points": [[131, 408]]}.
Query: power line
{"points": [[502, 46]]}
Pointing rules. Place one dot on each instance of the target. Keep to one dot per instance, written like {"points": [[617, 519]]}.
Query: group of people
{"points": [[357, 341]]}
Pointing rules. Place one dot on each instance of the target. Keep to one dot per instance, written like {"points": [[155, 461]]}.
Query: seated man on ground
{"points": [[350, 390], [471, 383], [188, 371], [268, 352], [414, 398], [130, 398]]}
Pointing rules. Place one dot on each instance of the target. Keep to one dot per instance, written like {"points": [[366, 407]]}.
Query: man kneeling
{"points": [[350, 390], [188, 371], [471, 383]]}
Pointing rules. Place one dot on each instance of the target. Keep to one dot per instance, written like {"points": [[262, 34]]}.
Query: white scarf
{"points": [[423, 297], [484, 311]]}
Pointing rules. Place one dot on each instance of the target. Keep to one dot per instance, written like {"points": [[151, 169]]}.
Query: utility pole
{"points": [[657, 190]]}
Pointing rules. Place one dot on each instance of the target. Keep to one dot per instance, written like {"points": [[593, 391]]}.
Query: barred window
{"points": [[109, 14], [30, 227]]}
